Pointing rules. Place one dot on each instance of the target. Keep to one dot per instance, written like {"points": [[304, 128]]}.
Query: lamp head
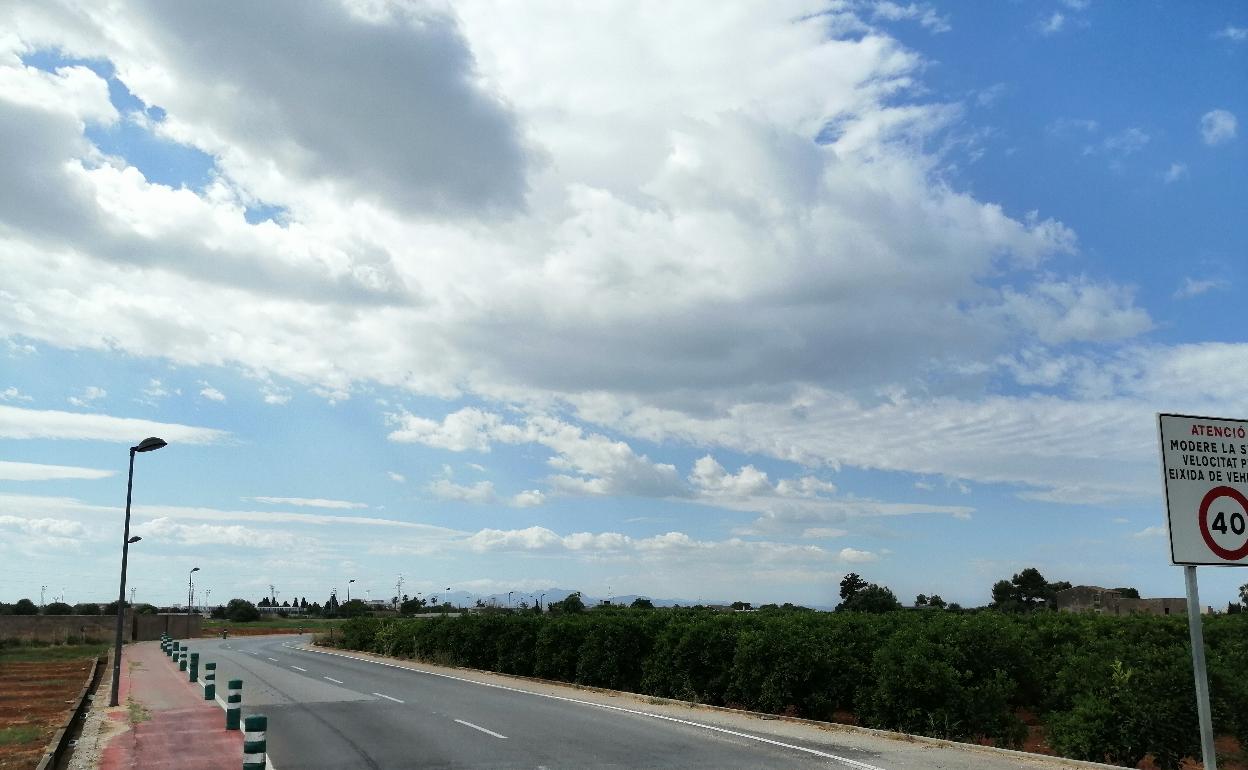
{"points": [[195, 569], [134, 539], [149, 443]]}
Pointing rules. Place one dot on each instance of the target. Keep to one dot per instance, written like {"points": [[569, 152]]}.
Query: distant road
{"points": [[336, 712]]}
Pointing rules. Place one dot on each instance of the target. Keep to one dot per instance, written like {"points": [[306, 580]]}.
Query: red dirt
{"points": [[37, 694]]}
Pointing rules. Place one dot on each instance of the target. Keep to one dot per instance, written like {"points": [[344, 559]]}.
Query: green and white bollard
{"points": [[254, 741], [193, 676], [210, 681], [174, 652], [182, 657], [233, 702]]}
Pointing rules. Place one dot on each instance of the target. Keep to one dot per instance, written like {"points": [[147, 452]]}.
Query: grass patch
{"points": [[136, 712], [25, 654], [18, 734]]}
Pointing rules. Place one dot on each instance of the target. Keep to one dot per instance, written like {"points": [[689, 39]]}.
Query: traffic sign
{"points": [[1204, 463]]}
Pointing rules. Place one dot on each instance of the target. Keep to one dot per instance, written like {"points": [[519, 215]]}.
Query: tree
{"points": [[1243, 594], [1031, 587], [920, 600], [58, 608], [87, 608], [1127, 593], [851, 584], [146, 609], [111, 608], [935, 601], [571, 604], [642, 603], [873, 598], [741, 605], [241, 611], [353, 608], [25, 607], [218, 612]]}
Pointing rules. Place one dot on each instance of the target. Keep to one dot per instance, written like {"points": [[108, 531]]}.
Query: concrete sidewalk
{"points": [[171, 725]]}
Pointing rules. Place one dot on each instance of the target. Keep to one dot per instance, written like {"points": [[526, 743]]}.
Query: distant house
{"points": [[1106, 601]]}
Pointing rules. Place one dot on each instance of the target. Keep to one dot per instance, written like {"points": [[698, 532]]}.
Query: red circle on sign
{"points": [[1214, 494]]}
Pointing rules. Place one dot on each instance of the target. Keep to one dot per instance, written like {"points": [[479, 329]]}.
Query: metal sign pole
{"points": [[1198, 668]]}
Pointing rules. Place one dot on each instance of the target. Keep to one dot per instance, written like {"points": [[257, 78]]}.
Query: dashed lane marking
{"points": [[482, 729]]}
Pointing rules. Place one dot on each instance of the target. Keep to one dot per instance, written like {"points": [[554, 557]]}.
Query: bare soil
{"points": [[36, 695]]}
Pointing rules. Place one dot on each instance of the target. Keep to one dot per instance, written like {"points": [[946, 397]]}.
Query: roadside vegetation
{"points": [[1105, 688]]}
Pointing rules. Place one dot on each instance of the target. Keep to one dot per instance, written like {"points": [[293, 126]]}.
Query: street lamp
{"points": [[541, 603], [349, 582], [509, 593], [190, 592], [146, 445]]}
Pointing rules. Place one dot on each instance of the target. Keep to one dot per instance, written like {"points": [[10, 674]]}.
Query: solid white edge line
{"points": [[482, 729], [844, 760], [330, 678], [304, 670], [387, 697]]}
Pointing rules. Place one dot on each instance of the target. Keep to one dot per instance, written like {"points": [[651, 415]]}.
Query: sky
{"points": [[706, 301]]}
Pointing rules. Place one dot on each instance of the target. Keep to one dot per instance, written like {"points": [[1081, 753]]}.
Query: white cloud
{"points": [[396, 477], [155, 389], [50, 424], [468, 428], [1059, 312], [1176, 172], [923, 13], [55, 528], [15, 471], [167, 530], [211, 393], [1053, 24], [1232, 33], [1155, 531], [1218, 127], [1127, 142], [855, 556], [1194, 287], [820, 533], [13, 394], [88, 395], [1121, 520], [480, 492], [529, 498], [309, 502]]}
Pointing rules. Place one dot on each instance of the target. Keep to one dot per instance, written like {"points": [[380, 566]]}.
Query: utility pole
{"points": [[272, 596], [132, 590], [42, 589], [398, 592]]}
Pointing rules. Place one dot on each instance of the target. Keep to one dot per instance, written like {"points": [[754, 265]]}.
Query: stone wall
{"points": [[59, 629]]}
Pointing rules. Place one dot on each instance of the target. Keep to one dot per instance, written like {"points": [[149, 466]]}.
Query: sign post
{"points": [[1204, 466]]}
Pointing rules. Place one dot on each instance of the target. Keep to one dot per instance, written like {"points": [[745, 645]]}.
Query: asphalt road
{"points": [[330, 710]]}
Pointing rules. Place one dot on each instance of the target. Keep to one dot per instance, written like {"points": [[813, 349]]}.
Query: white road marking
{"points": [[387, 697], [330, 678], [273, 659], [299, 669], [482, 729], [843, 760]]}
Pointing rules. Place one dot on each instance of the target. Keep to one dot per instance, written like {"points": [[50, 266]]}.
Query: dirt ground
{"points": [[34, 697]]}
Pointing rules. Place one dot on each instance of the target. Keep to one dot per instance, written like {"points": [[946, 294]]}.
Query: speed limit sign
{"points": [[1205, 467]]}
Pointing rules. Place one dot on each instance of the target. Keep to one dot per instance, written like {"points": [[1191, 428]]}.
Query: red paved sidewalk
{"points": [[179, 730]]}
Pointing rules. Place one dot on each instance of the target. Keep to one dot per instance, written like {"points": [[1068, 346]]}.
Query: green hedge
{"points": [[1108, 688]]}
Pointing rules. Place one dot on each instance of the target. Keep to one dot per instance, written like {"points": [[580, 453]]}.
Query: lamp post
{"points": [[509, 593], [190, 590], [146, 445], [349, 582], [541, 603]]}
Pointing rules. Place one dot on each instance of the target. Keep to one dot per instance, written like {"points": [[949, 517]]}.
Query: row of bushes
{"points": [[1108, 688]]}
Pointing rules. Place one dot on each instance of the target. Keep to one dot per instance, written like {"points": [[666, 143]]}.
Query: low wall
{"points": [[148, 627], [59, 629]]}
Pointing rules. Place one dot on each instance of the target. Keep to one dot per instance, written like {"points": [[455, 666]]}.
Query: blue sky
{"points": [[709, 302]]}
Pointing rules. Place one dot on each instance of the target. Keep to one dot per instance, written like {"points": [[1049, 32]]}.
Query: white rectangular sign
{"points": [[1204, 463]]}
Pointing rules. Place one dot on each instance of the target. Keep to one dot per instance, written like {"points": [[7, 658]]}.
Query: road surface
{"points": [[332, 710]]}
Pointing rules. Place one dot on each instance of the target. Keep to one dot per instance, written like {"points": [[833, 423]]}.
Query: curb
{"points": [[56, 746], [1045, 759]]}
